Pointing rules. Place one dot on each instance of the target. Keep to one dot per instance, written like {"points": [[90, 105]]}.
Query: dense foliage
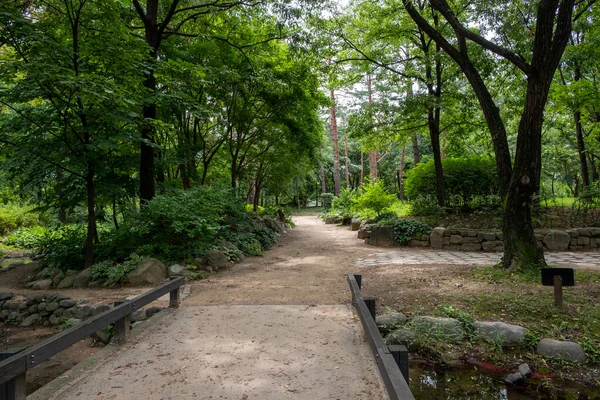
{"points": [[467, 179]]}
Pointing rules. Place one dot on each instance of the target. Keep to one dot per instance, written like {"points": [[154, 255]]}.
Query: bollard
{"points": [[400, 354], [15, 389]]}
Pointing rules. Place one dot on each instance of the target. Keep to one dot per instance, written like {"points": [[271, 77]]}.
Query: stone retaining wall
{"points": [[47, 309], [479, 240]]}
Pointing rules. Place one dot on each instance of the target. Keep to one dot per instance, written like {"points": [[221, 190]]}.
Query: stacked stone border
{"points": [[482, 240]]}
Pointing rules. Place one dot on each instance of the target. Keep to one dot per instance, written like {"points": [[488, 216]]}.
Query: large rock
{"points": [[355, 224], [82, 279], [275, 225], [67, 282], [42, 284], [500, 332], [216, 260], [33, 319], [557, 240], [437, 237], [150, 271], [390, 321], [177, 270], [448, 329], [569, 351], [382, 236], [402, 337], [6, 295], [57, 279]]}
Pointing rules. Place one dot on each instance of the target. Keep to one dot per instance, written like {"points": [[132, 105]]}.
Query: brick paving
{"points": [[467, 258]]}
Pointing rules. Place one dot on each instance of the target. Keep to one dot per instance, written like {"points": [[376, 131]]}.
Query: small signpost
{"points": [[558, 277]]}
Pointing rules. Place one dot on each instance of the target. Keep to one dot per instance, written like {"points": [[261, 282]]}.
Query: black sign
{"points": [[566, 274]]}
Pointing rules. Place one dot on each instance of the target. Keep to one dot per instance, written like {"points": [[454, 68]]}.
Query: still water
{"points": [[469, 384]]}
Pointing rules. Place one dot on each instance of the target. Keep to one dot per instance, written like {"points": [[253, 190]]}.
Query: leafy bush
{"points": [[13, 216], [111, 273], [327, 199], [464, 179], [404, 230], [374, 197], [426, 205], [26, 238], [343, 205], [63, 248]]}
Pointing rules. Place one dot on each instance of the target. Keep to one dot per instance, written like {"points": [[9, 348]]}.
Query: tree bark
{"points": [[401, 174], [362, 168], [323, 181], [415, 150], [347, 162], [585, 175], [336, 148]]}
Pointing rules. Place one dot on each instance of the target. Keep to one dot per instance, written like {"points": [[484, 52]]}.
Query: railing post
{"points": [[174, 298], [400, 354], [358, 280], [15, 389], [122, 327], [371, 305]]}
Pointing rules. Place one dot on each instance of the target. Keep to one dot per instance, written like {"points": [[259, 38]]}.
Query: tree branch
{"points": [[444, 9]]}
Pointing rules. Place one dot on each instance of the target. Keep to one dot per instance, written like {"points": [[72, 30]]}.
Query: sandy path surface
{"points": [[308, 266], [273, 327]]}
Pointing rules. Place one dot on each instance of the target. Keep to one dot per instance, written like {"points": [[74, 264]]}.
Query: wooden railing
{"points": [[13, 370], [392, 361]]}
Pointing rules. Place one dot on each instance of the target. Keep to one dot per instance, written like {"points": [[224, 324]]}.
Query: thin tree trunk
{"points": [[114, 213], [347, 162], [62, 212], [323, 181], [336, 149], [415, 149], [585, 175], [91, 225], [401, 174], [362, 168], [591, 158], [373, 155]]}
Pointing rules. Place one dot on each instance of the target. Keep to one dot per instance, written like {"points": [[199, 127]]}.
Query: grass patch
{"points": [[401, 208]]}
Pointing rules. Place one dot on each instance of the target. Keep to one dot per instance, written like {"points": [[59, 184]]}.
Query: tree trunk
{"points": [[336, 149], [91, 225], [114, 213], [362, 169], [415, 149], [373, 155], [592, 158], [401, 174], [62, 212], [585, 175], [323, 181], [347, 162]]}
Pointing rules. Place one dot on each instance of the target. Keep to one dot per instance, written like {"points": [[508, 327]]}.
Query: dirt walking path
{"points": [[274, 327]]}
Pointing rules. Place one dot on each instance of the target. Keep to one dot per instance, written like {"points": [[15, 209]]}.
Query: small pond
{"points": [[428, 383]]}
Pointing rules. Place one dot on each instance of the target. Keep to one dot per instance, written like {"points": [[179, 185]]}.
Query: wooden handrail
{"points": [[18, 364], [395, 383]]}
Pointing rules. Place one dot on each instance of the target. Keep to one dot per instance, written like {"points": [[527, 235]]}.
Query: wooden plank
{"points": [[40, 352]]}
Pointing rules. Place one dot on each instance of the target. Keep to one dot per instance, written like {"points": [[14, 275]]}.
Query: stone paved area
{"points": [[468, 258]]}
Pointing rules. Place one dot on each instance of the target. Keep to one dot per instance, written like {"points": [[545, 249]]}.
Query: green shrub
{"points": [[344, 204], [327, 199], [111, 273], [13, 216], [374, 197], [63, 248], [464, 179], [426, 205], [404, 230], [26, 238]]}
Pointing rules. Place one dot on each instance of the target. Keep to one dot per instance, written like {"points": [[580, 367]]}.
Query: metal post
{"points": [[558, 292], [371, 305], [400, 354]]}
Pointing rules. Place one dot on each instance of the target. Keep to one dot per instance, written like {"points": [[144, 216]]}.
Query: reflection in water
{"points": [[469, 384]]}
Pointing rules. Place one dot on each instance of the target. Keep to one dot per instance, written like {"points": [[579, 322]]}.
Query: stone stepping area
{"points": [[467, 258]]}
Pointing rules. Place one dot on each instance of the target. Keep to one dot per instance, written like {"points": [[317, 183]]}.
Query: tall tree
{"points": [[553, 21]]}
